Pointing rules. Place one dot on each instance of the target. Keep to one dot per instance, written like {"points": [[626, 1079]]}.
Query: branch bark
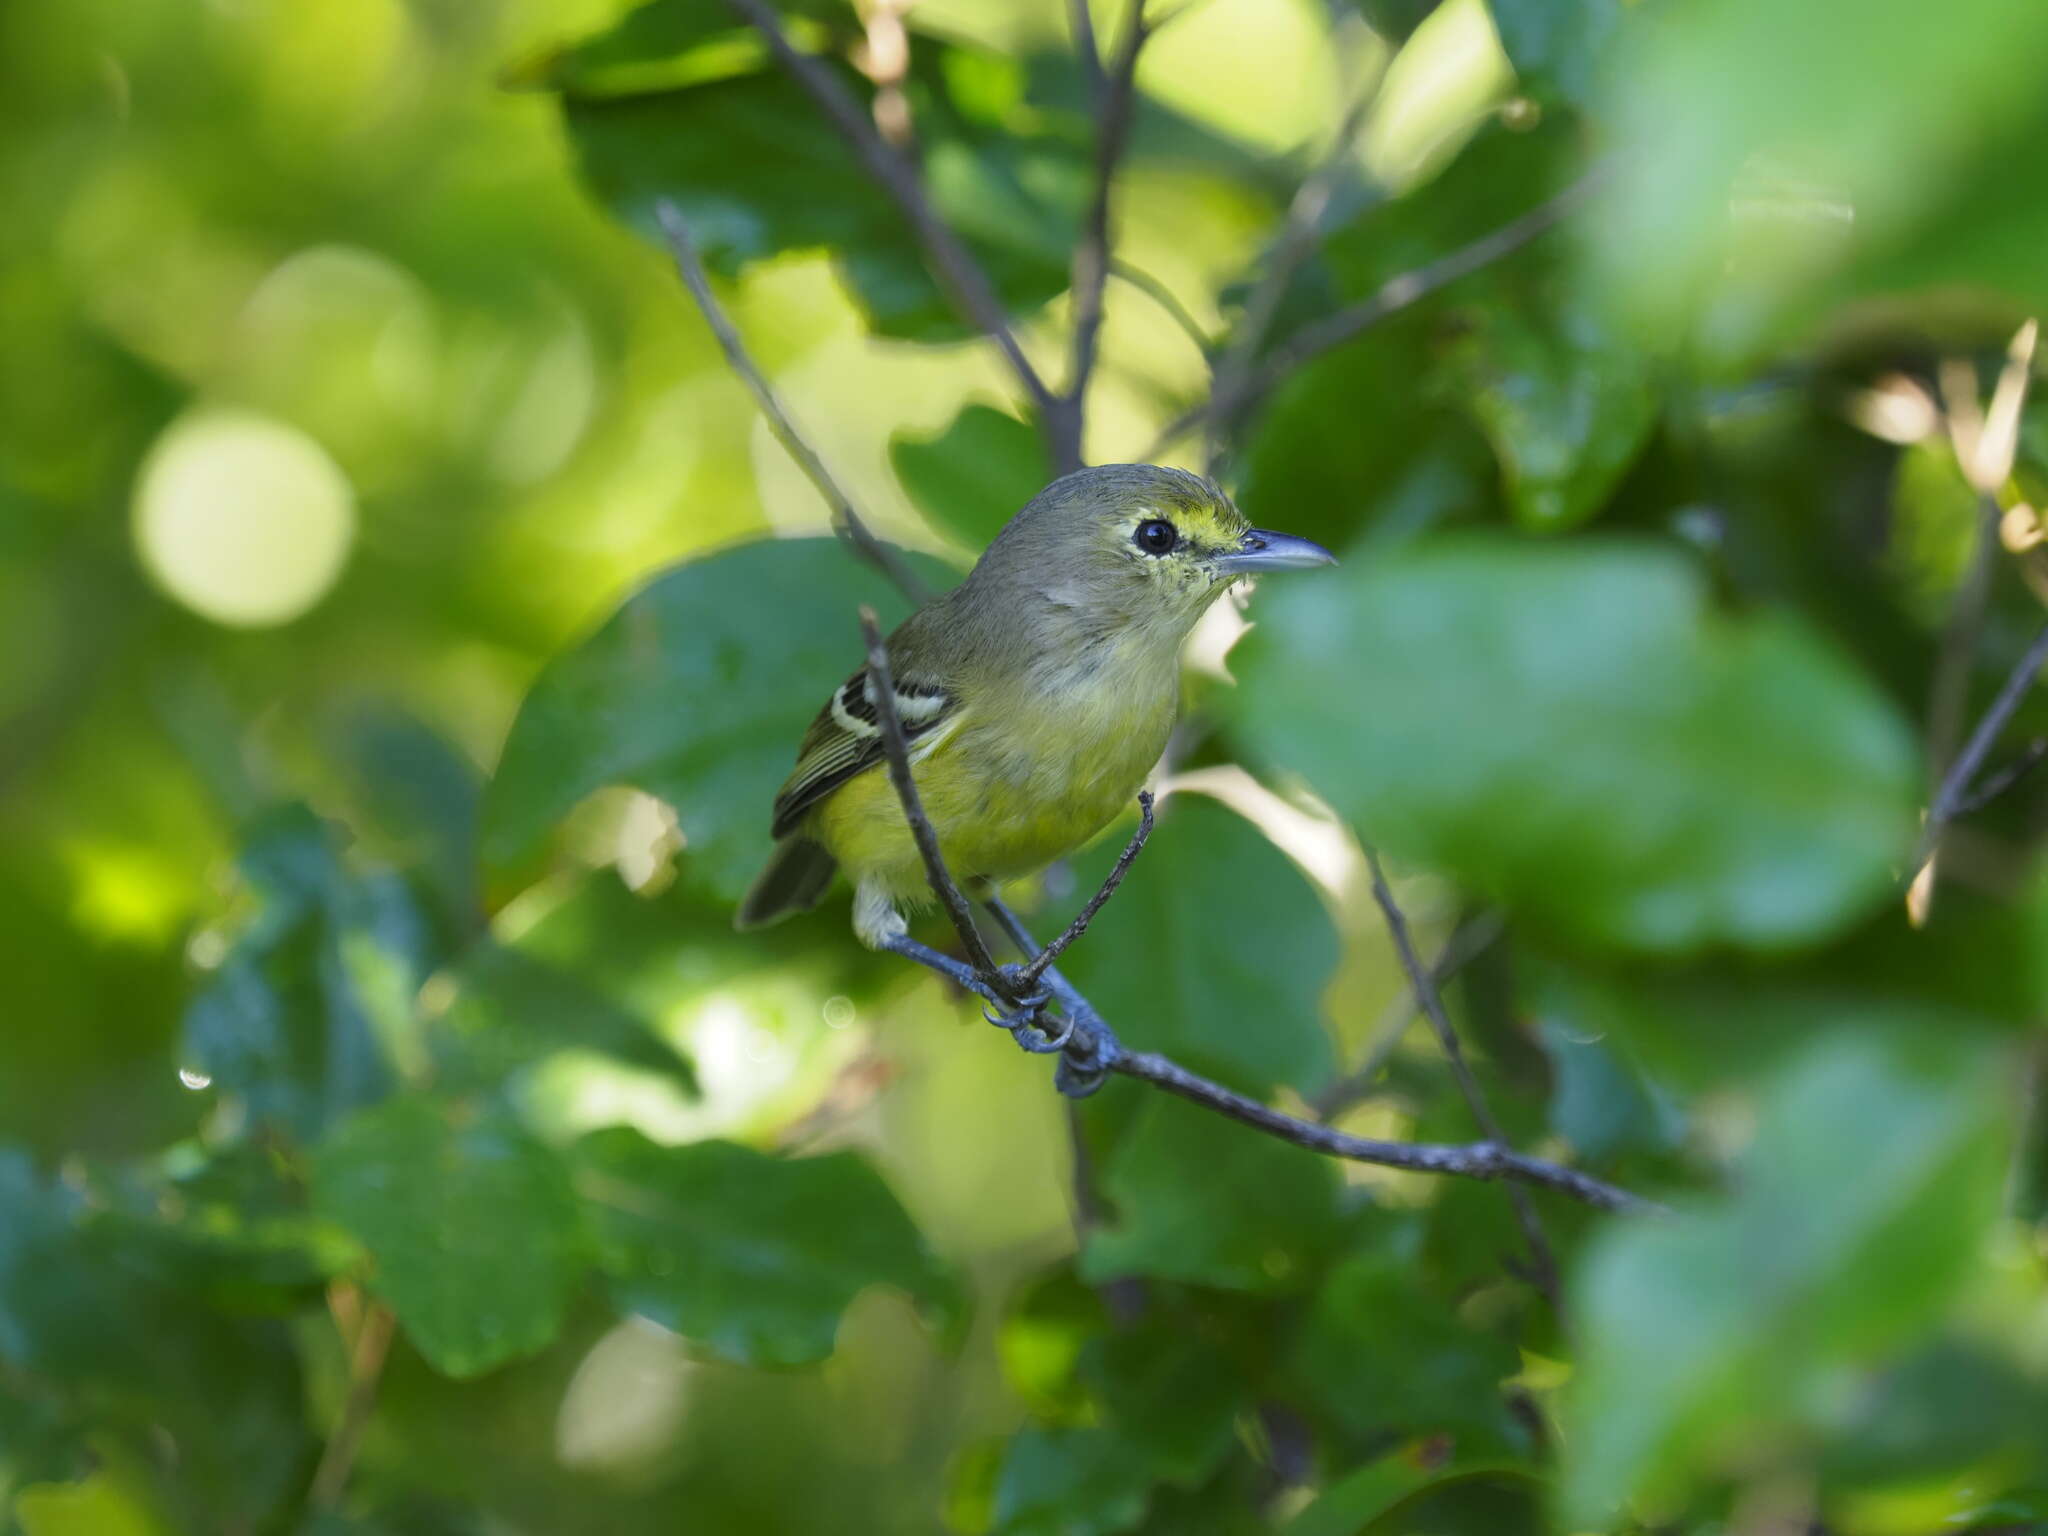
{"points": [[845, 520]]}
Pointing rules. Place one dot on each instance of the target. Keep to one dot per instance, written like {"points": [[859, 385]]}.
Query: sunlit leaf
{"points": [[696, 691], [1575, 732]]}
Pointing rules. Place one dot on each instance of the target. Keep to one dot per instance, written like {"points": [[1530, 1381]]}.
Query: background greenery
{"points": [[351, 1002]]}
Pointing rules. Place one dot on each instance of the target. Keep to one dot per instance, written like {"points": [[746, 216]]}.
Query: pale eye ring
{"points": [[1156, 536]]}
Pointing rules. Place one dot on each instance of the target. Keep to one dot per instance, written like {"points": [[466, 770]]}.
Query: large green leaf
{"points": [[1865, 1198], [1775, 132], [753, 1257], [1214, 950], [1573, 731], [1200, 1199], [669, 105], [697, 691], [971, 478], [473, 1226], [1558, 47]]}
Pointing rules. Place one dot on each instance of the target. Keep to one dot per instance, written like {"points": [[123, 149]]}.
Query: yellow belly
{"points": [[1006, 799]]}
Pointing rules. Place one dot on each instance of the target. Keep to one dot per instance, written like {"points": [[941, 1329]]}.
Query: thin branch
{"points": [[1474, 1160], [1467, 942], [845, 520], [1955, 786], [953, 264], [896, 747], [1118, 101], [1037, 967], [1393, 296], [366, 1370], [1089, 55], [1958, 654], [1999, 783], [1543, 1262], [1167, 300], [1296, 239]]}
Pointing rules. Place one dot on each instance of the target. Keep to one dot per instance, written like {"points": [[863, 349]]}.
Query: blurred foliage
{"points": [[406, 622]]}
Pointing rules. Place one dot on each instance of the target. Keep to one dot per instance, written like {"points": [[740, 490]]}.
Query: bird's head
{"points": [[1140, 544]]}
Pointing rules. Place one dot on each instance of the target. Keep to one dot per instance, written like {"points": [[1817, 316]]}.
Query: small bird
{"points": [[1035, 696]]}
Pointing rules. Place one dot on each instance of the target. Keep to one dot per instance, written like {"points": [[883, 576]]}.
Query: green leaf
{"points": [[473, 1226], [753, 1257], [1601, 1104], [1794, 110], [1384, 1351], [100, 1315], [1172, 1393], [98, 1506], [1077, 1482], [1572, 731], [1557, 46], [1566, 401], [512, 1010], [697, 691], [1370, 1500], [1230, 931], [1253, 1219], [1864, 1200], [314, 1003], [658, 108], [971, 478]]}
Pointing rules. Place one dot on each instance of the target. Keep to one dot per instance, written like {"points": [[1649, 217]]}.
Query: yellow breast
{"points": [[1009, 794]]}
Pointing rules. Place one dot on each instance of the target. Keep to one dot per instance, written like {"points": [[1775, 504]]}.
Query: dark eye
{"points": [[1156, 536]]}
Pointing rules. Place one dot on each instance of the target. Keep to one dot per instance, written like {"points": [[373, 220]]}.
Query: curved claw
{"points": [[1023, 1028]]}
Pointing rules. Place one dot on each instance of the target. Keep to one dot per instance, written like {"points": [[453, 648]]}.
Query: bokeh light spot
{"points": [[243, 519]]}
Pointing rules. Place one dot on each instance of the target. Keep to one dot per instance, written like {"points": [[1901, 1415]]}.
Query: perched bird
{"points": [[1035, 696]]}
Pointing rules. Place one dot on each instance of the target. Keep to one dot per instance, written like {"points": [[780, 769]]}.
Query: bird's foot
{"points": [[1022, 1013]]}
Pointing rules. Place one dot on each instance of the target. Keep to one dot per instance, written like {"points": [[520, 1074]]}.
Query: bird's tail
{"points": [[797, 876]]}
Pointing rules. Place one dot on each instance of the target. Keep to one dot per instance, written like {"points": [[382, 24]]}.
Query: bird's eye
{"points": [[1156, 536]]}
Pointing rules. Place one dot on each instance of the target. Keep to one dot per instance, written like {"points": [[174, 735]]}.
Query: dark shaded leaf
{"points": [[1558, 46], [1075, 1482], [314, 1002], [753, 1257], [1197, 1199]]}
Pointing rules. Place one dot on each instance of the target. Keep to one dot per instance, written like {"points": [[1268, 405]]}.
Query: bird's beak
{"points": [[1263, 550]]}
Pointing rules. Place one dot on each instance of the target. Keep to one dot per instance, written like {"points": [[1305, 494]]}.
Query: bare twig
{"points": [[1118, 101], [1475, 1160], [896, 747], [366, 1369], [1999, 783], [1089, 55], [1296, 239], [848, 523], [1543, 1263], [1037, 967], [1393, 296], [1955, 786], [1467, 941], [953, 264]]}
